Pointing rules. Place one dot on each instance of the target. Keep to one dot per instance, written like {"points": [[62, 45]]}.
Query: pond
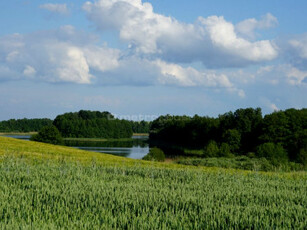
{"points": [[135, 148]]}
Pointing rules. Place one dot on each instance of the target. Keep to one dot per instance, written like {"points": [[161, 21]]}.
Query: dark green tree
{"points": [[48, 134], [92, 124], [273, 152], [24, 125], [211, 150], [155, 154], [233, 138]]}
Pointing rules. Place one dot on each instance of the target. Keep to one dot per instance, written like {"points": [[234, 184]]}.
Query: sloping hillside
{"points": [[53, 187]]}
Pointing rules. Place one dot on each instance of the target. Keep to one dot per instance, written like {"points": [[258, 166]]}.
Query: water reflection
{"points": [[140, 142], [134, 152], [136, 148]]}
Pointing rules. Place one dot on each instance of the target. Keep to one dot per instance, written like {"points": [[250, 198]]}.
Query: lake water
{"points": [[136, 148]]}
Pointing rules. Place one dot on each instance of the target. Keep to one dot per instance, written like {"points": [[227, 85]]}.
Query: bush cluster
{"points": [[48, 134], [155, 154]]}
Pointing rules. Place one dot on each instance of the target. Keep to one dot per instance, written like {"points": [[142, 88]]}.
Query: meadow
{"points": [[53, 187]]}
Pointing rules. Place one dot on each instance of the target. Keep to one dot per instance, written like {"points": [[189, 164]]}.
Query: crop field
{"points": [[52, 187]]}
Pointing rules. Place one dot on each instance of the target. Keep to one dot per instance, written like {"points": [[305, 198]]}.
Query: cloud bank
{"points": [[212, 40], [68, 55], [160, 50]]}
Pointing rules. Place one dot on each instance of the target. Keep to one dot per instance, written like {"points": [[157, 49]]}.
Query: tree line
{"points": [[24, 125], [95, 124], [92, 124], [140, 126], [279, 136], [85, 124]]}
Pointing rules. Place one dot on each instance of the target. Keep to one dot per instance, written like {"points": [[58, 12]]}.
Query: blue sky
{"points": [[136, 58]]}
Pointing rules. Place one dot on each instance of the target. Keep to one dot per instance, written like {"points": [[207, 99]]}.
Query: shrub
{"points": [[211, 150], [155, 154], [48, 134], [225, 150], [273, 152]]}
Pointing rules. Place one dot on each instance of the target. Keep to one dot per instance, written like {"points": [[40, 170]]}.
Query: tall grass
{"points": [[242, 162], [70, 195], [53, 187]]}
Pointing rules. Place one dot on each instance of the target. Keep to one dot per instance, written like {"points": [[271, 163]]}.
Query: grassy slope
{"points": [[41, 151], [36, 151], [109, 192]]}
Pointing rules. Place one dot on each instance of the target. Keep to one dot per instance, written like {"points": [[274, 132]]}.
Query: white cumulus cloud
{"points": [[52, 56], [211, 40], [222, 34], [67, 55]]}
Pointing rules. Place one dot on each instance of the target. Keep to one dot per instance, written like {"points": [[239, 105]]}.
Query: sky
{"points": [[141, 59]]}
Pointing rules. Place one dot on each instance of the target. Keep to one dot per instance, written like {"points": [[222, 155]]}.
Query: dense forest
{"points": [[140, 126], [279, 136], [24, 125], [92, 124]]}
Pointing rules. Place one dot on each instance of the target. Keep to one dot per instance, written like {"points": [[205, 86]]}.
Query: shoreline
{"points": [[17, 133]]}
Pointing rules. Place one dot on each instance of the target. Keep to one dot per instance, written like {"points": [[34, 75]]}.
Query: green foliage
{"points": [[155, 154], [211, 150], [288, 128], [273, 152], [184, 131], [92, 124], [48, 134], [24, 125], [244, 130], [233, 138], [225, 150], [242, 162], [140, 126], [75, 196], [247, 122]]}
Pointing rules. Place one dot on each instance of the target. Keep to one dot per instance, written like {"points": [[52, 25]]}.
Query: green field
{"points": [[54, 187]]}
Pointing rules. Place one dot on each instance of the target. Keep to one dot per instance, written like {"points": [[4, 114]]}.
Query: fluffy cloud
{"points": [[223, 35], [247, 27], [67, 55], [159, 72], [53, 56], [211, 40], [189, 76], [55, 8]]}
